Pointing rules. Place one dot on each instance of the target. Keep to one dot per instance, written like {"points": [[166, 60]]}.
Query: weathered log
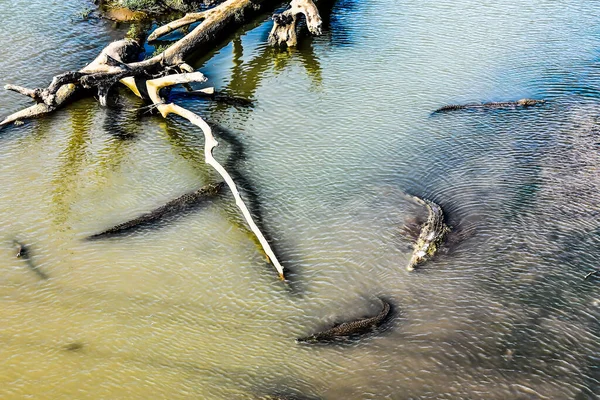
{"points": [[64, 86], [284, 24], [186, 20], [62, 96], [116, 61], [153, 88]]}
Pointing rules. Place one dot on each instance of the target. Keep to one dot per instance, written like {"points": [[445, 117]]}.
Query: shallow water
{"points": [[340, 129]]}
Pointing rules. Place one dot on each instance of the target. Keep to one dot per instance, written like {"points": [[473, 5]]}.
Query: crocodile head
{"points": [[417, 258], [528, 102]]}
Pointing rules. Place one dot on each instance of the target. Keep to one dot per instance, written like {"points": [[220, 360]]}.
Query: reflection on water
{"points": [[339, 129], [71, 160]]}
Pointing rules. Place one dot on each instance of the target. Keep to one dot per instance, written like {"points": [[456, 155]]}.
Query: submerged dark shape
{"points": [[346, 330], [179, 204], [502, 104], [24, 253], [219, 97], [75, 346], [432, 233], [232, 100]]}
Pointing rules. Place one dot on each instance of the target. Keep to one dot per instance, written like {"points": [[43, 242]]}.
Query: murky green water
{"points": [[339, 130]]}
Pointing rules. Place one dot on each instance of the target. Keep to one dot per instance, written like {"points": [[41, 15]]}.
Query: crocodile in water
{"points": [[346, 330], [431, 236], [502, 104], [179, 204], [24, 254]]}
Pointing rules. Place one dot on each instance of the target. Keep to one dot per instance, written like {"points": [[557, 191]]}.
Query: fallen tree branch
{"points": [[64, 86], [153, 87], [35, 94], [61, 97], [116, 61], [186, 20]]}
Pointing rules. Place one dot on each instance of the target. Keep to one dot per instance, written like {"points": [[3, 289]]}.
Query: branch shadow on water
{"points": [[245, 79], [251, 196], [191, 148]]}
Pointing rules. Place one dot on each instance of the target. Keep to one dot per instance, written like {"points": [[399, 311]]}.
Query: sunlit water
{"points": [[339, 131]]}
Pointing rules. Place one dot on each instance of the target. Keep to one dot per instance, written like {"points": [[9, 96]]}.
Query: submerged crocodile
{"points": [[23, 253], [502, 104], [346, 330], [432, 233], [179, 204]]}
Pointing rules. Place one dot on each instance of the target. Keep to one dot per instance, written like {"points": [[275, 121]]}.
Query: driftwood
{"points": [[102, 72], [153, 87], [116, 61], [284, 24]]}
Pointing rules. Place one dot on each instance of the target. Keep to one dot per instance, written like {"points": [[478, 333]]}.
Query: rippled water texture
{"points": [[339, 130]]}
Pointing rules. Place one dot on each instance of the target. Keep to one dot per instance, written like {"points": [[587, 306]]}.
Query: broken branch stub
{"points": [[153, 87], [284, 24]]}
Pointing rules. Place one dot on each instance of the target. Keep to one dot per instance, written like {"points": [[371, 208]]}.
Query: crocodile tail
{"points": [[385, 311], [451, 107]]}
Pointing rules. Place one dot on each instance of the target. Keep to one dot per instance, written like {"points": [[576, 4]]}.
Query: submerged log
{"points": [[65, 86]]}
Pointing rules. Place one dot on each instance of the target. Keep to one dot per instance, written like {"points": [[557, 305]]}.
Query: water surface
{"points": [[340, 129]]}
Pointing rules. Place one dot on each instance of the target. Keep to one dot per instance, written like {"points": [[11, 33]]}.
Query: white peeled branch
{"points": [[153, 86]]}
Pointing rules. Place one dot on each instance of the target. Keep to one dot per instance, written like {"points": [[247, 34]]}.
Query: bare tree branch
{"points": [[210, 143]]}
